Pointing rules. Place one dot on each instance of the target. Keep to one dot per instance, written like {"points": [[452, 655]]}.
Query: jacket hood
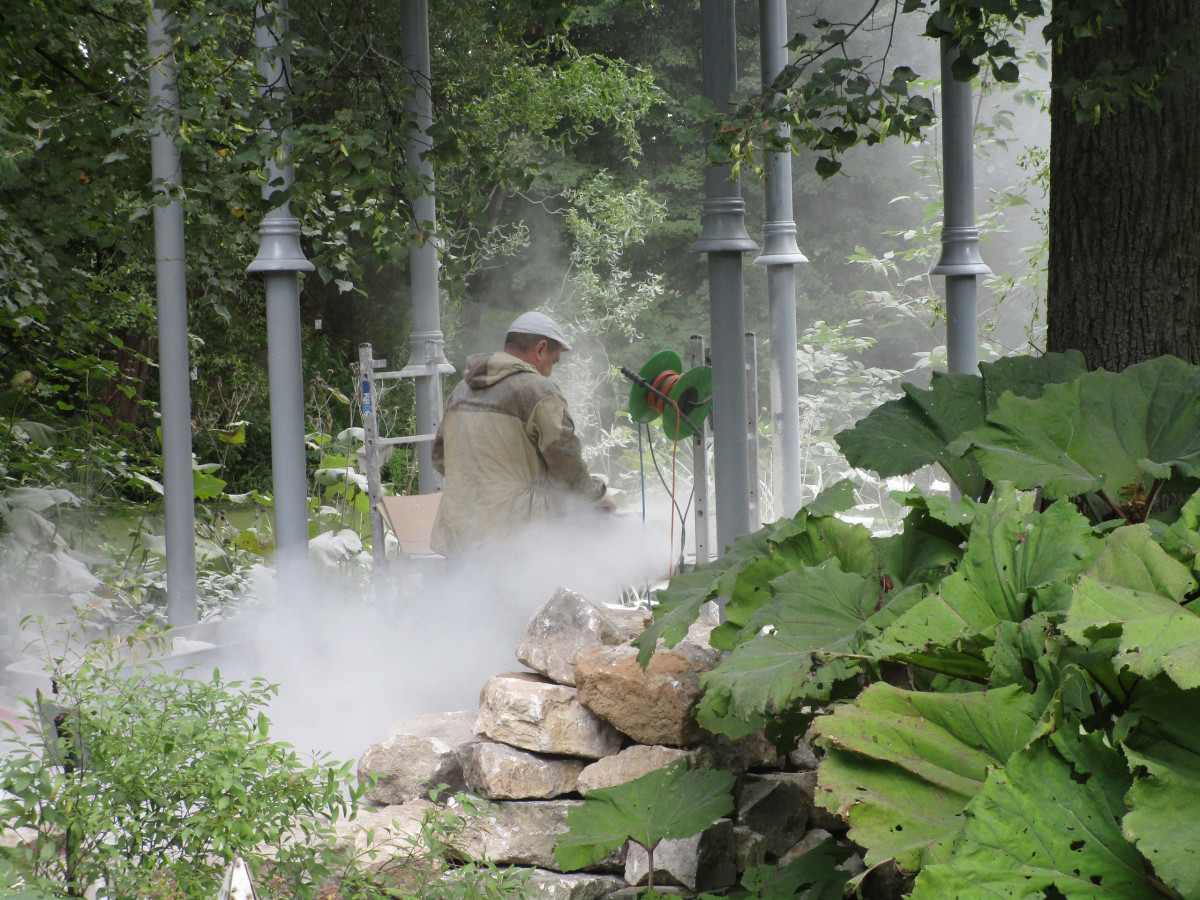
{"points": [[487, 369]]}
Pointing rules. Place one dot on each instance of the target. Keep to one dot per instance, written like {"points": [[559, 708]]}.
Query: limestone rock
{"points": [[523, 833], [18, 837], [632, 621], [500, 772], [812, 838], [564, 626], [546, 885], [408, 765], [635, 893], [454, 728], [704, 862], [632, 762], [757, 752], [776, 807], [804, 757], [750, 848], [652, 706], [534, 714]]}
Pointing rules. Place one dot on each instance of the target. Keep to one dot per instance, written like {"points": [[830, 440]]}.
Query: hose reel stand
{"points": [[659, 389]]}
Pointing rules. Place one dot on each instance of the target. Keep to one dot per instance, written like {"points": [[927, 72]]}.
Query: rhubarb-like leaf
{"points": [[1135, 591], [1046, 824], [1116, 432], [918, 429], [901, 765], [1160, 736], [672, 802]]}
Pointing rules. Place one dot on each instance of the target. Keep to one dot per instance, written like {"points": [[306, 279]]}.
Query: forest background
{"points": [[569, 164]]}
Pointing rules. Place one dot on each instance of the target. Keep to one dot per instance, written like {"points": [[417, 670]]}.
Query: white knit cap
{"points": [[541, 325]]}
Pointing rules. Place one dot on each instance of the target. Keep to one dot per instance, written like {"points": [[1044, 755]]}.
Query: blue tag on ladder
{"points": [[366, 395]]}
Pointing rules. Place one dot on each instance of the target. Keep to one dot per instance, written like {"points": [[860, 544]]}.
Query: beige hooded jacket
{"points": [[508, 450]]}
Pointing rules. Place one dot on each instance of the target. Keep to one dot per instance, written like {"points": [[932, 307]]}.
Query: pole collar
{"points": [[279, 247]]}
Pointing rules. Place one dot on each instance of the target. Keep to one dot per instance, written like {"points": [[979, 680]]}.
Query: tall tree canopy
{"points": [[1124, 280], [76, 259]]}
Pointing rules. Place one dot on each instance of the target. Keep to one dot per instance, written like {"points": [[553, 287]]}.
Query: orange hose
{"points": [[663, 383]]}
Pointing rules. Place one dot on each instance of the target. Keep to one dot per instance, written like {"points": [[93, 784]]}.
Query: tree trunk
{"points": [[135, 365], [1124, 270]]}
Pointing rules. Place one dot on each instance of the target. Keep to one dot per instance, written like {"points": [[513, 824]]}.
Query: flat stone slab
{"points": [[704, 862], [378, 836], [652, 706], [501, 772], [776, 806], [546, 885], [523, 833], [420, 753], [631, 763], [531, 713]]}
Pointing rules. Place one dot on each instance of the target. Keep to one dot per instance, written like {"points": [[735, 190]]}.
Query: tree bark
{"points": [[1124, 269]]}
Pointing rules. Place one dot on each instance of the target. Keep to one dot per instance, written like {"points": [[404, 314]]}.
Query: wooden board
{"points": [[411, 519]]}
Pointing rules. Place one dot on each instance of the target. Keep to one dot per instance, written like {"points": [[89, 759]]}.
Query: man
{"points": [[507, 446]]}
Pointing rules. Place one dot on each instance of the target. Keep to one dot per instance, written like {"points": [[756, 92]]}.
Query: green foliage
{"points": [[673, 802], [133, 774], [1116, 439], [904, 764], [835, 94], [917, 429], [1045, 731]]}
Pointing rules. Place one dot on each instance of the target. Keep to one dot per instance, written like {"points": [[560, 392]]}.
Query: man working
{"points": [[507, 446]]}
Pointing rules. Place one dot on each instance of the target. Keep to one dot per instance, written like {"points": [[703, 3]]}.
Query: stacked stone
{"points": [[586, 716]]}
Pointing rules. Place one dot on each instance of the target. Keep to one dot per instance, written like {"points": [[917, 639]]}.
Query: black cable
{"points": [[681, 513]]}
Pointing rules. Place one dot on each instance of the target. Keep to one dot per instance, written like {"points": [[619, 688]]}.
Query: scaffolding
{"points": [[417, 513]]}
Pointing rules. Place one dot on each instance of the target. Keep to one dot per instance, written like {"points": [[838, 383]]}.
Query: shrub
{"points": [[136, 778]]}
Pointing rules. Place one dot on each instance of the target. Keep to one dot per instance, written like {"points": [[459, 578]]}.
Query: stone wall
{"points": [[584, 715]]}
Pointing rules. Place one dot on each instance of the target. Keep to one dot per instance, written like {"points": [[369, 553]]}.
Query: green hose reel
{"points": [[689, 395]]}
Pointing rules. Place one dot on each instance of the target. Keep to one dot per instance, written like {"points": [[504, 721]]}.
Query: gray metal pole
{"points": [[281, 259], [780, 254], [724, 238], [696, 357], [751, 357], [427, 340], [175, 399], [960, 261]]}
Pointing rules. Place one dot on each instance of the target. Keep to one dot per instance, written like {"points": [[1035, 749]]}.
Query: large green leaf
{"points": [[916, 430], [1135, 590], [901, 765], [1027, 376], [1015, 559], [903, 435], [767, 677], [822, 605], [1182, 539], [820, 538], [1048, 820], [815, 610], [1160, 735], [672, 802], [1104, 431], [926, 549]]}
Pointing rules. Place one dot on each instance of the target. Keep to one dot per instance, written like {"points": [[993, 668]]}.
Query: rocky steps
{"points": [[584, 715]]}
